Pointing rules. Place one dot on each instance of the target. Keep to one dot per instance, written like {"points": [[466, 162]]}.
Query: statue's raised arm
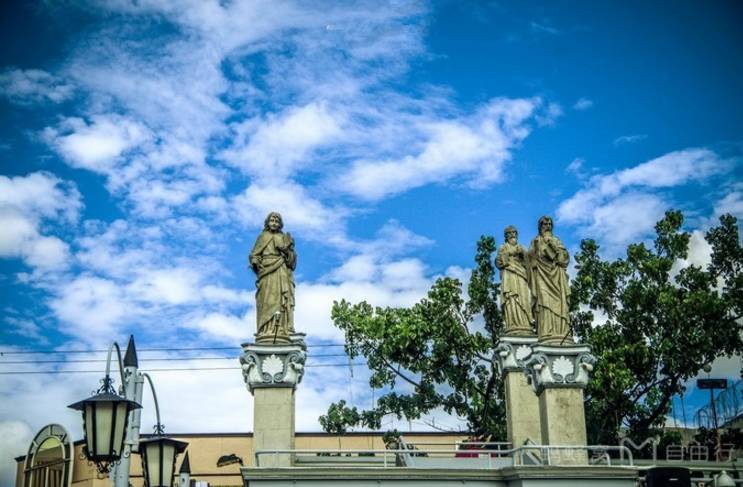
{"points": [[273, 259]]}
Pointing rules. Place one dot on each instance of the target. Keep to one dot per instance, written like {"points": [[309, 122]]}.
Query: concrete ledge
{"points": [[505, 475]]}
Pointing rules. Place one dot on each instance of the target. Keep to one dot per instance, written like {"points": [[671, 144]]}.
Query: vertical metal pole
{"points": [[132, 391]]}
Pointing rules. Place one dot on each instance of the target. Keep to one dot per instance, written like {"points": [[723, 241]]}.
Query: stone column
{"points": [[558, 375], [272, 373], [522, 405]]}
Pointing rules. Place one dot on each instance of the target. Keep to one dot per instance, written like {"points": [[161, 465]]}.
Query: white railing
{"points": [[581, 455], [492, 446], [342, 456], [489, 459]]}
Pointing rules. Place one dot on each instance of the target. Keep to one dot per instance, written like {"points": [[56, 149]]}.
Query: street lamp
{"points": [[159, 452], [158, 460], [105, 421], [110, 435]]}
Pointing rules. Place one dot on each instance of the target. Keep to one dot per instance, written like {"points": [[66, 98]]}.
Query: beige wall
{"points": [[205, 449]]}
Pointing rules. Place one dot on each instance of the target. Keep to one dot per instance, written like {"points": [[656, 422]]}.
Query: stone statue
{"points": [[548, 261], [273, 260], [515, 296]]}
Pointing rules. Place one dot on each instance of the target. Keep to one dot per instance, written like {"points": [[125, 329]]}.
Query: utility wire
{"points": [[178, 349], [165, 359], [190, 369]]}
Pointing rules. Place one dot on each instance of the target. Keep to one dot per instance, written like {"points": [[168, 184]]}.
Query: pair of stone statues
{"points": [[534, 285]]}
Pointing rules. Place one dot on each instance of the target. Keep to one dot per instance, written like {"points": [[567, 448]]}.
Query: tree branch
{"points": [[400, 374]]}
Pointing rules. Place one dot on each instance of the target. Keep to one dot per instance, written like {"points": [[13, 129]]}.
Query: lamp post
{"points": [[111, 427], [159, 452]]}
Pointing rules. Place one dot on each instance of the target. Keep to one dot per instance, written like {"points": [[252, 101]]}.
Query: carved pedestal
{"points": [[522, 405], [558, 375], [271, 373]]}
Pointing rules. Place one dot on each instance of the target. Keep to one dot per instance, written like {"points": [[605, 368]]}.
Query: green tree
{"points": [[338, 419], [661, 324], [431, 356]]}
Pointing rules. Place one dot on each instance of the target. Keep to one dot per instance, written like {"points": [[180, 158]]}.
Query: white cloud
{"points": [[16, 231], [33, 86], [119, 250], [380, 273], [96, 145], [13, 435], [475, 148], [196, 87], [576, 166], [226, 327], [731, 203], [26, 328], [225, 295], [582, 104], [20, 237], [543, 28], [167, 286], [47, 253], [91, 308], [300, 211], [40, 194], [627, 218], [620, 207], [276, 145], [26, 202], [699, 253], [629, 139], [314, 301], [549, 116]]}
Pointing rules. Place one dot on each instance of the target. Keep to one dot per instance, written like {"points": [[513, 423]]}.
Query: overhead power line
{"points": [[189, 369], [164, 359], [174, 349]]}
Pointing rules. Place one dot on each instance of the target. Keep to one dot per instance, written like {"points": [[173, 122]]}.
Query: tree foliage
{"points": [[660, 324]]}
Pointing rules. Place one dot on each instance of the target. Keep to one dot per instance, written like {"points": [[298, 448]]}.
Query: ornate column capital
{"points": [[513, 351], [559, 366], [279, 365]]}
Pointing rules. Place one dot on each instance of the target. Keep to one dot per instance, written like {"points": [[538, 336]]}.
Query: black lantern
{"points": [[159, 454], [105, 419]]}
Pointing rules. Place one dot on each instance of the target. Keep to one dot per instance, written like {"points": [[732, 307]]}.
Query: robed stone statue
{"points": [[548, 262], [515, 296], [273, 260]]}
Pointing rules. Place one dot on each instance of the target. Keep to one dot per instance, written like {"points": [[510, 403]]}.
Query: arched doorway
{"points": [[49, 459]]}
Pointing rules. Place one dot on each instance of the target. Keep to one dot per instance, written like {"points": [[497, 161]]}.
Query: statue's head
{"points": [[511, 234], [273, 222], [545, 224]]}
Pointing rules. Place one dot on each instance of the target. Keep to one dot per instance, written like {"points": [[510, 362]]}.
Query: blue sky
{"points": [[142, 144]]}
